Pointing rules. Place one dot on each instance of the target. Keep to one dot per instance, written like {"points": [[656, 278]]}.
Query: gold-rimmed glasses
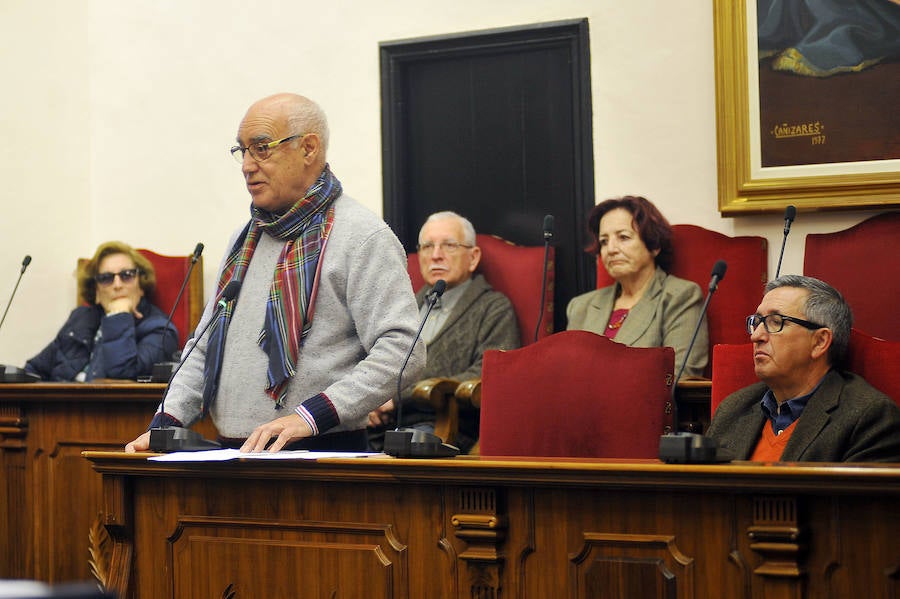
{"points": [[260, 151]]}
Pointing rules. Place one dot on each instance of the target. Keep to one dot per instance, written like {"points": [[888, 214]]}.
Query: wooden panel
{"points": [[51, 495], [479, 528], [323, 557], [14, 508], [294, 535]]}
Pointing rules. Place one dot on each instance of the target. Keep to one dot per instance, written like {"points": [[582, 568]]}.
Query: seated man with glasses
{"points": [[469, 318], [118, 334], [805, 408]]}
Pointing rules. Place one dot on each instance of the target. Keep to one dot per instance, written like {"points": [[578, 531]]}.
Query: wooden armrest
{"points": [[438, 394], [469, 393]]}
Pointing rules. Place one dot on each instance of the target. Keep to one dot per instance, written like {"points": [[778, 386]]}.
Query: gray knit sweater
{"points": [[364, 322]]}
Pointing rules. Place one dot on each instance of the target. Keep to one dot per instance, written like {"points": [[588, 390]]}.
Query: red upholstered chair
{"points": [[517, 272], [877, 361], [739, 293], [170, 273], [576, 394], [872, 358], [861, 263], [732, 370]]}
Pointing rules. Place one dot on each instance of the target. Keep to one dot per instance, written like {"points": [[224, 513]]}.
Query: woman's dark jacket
{"points": [[128, 346]]}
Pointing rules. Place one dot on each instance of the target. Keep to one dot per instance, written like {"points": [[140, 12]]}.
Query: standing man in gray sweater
{"points": [[325, 315]]}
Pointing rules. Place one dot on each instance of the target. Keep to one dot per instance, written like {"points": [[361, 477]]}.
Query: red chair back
{"points": [[732, 370], [877, 361], [696, 251], [872, 358], [170, 273], [517, 272], [858, 263], [575, 394]]}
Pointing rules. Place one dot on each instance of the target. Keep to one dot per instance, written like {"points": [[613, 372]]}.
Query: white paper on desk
{"points": [[222, 455], [212, 455], [304, 455]]}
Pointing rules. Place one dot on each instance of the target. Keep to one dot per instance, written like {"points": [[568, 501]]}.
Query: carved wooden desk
{"points": [[49, 495], [480, 528]]}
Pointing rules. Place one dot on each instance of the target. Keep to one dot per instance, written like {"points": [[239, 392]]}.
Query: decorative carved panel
{"points": [[636, 566], [482, 526], [287, 559]]}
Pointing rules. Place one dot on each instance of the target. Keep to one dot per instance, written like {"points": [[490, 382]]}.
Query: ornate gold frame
{"points": [[739, 192]]}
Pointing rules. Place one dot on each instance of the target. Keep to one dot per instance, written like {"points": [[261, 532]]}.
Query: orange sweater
{"points": [[771, 446]]}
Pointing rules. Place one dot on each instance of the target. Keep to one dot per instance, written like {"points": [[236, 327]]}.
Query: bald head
{"points": [[291, 136], [299, 113]]}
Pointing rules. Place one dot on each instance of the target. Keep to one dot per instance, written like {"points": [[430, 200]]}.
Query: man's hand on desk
{"points": [[285, 429], [142, 443]]}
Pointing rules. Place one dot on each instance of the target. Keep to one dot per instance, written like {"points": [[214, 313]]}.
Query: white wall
{"points": [[118, 116]]}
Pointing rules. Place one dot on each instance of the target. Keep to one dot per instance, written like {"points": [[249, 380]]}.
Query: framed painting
{"points": [[806, 113]]}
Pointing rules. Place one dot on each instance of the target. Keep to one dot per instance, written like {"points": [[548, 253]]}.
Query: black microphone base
{"points": [[163, 371], [688, 448], [412, 443], [14, 374], [175, 438]]}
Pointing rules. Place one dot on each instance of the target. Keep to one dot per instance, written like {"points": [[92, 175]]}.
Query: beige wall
{"points": [[118, 115]]}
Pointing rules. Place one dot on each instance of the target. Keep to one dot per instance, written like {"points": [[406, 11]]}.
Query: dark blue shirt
{"points": [[788, 412]]}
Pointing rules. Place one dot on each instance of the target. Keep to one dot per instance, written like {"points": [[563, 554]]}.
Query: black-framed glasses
{"points": [[260, 151], [774, 323], [126, 276], [448, 247]]}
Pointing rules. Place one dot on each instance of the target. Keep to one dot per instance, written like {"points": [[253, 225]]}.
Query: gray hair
{"points": [[308, 117], [825, 306], [468, 229]]}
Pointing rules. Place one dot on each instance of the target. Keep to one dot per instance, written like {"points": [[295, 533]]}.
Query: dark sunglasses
{"points": [[126, 276]]}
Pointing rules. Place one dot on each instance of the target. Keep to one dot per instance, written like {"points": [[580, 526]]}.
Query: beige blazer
{"points": [[664, 317]]}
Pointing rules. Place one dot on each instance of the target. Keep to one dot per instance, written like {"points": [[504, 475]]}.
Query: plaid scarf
{"points": [[289, 308]]}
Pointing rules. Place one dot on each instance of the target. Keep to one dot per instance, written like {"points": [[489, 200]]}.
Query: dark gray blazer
{"points": [[481, 319], [846, 420]]}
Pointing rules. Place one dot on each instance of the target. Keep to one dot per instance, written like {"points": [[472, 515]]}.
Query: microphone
{"points": [[548, 237], [25, 262], [691, 448], [14, 374], [163, 371], [409, 442], [548, 227], [789, 214], [176, 438]]}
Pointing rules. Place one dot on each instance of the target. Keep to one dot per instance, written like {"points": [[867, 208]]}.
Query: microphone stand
{"points": [[177, 438], [410, 442], [690, 448], [25, 262], [14, 374], [548, 236], [789, 214]]}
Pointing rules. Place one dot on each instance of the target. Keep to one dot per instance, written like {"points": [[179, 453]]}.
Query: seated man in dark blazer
{"points": [[805, 409], [469, 318]]}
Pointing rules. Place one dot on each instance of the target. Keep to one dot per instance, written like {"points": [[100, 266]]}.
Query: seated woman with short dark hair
{"points": [[119, 334], [647, 306]]}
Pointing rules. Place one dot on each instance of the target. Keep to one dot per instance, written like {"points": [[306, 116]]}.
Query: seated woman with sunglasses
{"points": [[119, 334]]}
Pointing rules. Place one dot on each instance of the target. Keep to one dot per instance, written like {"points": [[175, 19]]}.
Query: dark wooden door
{"points": [[495, 125]]}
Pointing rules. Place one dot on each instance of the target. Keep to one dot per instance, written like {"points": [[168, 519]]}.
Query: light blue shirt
{"points": [[441, 311]]}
